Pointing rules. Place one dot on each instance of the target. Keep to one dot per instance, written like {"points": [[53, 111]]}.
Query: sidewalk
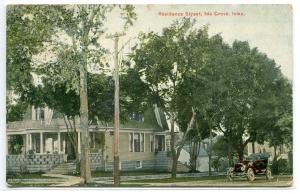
{"points": [[67, 180]]}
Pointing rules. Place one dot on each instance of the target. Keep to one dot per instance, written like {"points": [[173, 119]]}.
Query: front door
{"points": [[160, 142]]}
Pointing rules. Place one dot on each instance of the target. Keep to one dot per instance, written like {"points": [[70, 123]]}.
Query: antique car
{"points": [[254, 165]]}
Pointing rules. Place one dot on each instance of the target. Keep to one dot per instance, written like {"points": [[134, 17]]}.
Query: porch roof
{"points": [[58, 125]]}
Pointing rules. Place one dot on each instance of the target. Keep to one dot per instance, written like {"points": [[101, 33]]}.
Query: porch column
{"points": [[7, 144], [165, 143], [29, 142], [79, 143], [41, 143], [59, 143]]}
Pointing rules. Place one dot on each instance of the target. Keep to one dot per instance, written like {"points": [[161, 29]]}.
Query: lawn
{"points": [[178, 179], [30, 184], [125, 173], [216, 181], [37, 175]]}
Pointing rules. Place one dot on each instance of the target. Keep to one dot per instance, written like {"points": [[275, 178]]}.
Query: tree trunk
{"points": [[194, 152], [173, 150], [253, 147], [240, 152], [230, 159], [209, 165], [290, 159], [275, 164], [72, 135], [174, 167], [85, 161], [176, 153], [275, 153]]}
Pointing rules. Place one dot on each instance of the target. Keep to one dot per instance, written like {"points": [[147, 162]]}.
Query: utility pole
{"points": [[116, 141]]}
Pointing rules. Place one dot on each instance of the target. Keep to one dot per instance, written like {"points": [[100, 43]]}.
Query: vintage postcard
{"points": [[196, 95]]}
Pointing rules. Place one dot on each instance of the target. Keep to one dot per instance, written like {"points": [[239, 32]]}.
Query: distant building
{"points": [[202, 160], [281, 152]]}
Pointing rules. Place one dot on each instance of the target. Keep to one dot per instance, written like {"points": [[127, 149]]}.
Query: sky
{"points": [[267, 27]]}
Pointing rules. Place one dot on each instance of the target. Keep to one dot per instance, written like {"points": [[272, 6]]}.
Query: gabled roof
{"points": [[152, 121]]}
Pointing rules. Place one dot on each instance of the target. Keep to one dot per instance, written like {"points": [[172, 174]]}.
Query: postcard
{"points": [[136, 95]]}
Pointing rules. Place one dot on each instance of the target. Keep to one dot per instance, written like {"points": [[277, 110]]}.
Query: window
{"points": [[138, 164], [142, 142], [136, 117], [40, 114], [160, 143], [151, 143], [168, 143], [131, 142], [136, 142]]}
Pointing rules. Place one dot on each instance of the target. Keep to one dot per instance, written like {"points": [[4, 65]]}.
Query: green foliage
{"points": [[165, 62], [100, 141], [15, 112], [280, 166], [15, 144], [236, 90], [219, 147], [34, 29], [28, 27]]}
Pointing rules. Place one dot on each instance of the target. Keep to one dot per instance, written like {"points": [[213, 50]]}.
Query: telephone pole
{"points": [[116, 141]]}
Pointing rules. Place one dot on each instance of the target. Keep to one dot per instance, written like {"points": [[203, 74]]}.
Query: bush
{"points": [[280, 166], [220, 164]]}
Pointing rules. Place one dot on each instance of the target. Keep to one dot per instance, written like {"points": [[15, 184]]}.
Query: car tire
{"points": [[250, 174], [230, 174], [268, 173]]}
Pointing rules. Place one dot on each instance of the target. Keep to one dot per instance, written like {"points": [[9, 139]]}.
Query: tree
{"points": [[83, 25], [279, 128], [24, 39], [204, 85], [242, 81], [164, 62], [15, 111]]}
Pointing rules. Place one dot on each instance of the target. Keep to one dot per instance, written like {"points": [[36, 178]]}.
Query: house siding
{"points": [[149, 160], [125, 154]]}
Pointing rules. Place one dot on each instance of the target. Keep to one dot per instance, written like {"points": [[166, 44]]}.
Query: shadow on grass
{"points": [[36, 175]]}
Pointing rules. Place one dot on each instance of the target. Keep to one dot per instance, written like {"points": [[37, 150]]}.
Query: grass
{"points": [[186, 181], [178, 179], [29, 184], [216, 181], [37, 175], [108, 185], [125, 173]]}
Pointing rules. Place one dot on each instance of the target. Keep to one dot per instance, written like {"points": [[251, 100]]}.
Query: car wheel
{"points": [[230, 174], [250, 174], [268, 173]]}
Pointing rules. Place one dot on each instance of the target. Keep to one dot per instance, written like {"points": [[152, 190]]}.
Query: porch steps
{"points": [[64, 168]]}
